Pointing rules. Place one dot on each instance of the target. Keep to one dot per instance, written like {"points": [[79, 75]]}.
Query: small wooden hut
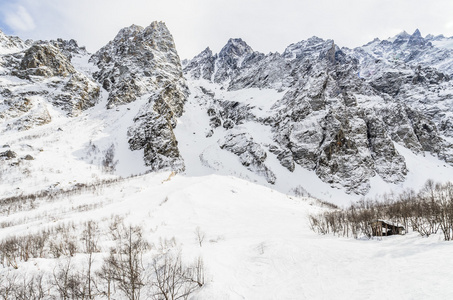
{"points": [[386, 228]]}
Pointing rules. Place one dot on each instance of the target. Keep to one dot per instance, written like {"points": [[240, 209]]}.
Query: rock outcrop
{"points": [[251, 154], [342, 110], [143, 62], [44, 76]]}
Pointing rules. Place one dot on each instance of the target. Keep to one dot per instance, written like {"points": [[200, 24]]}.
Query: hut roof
{"points": [[388, 223]]}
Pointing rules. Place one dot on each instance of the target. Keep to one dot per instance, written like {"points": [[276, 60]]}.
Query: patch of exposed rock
{"points": [[143, 62], [251, 155], [46, 76]]}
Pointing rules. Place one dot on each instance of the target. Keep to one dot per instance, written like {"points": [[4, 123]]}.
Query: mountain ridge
{"points": [[341, 114]]}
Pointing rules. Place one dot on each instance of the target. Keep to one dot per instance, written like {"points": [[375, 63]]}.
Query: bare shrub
{"points": [[172, 280], [124, 265], [8, 285], [426, 212], [65, 241], [200, 235], [31, 288], [67, 282]]}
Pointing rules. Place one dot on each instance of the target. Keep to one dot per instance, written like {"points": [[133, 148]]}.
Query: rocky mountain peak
{"points": [[416, 39], [205, 53], [235, 48], [312, 47], [341, 111], [142, 63], [127, 32], [202, 65], [138, 61], [343, 115], [403, 35], [68, 47], [401, 38], [416, 33]]}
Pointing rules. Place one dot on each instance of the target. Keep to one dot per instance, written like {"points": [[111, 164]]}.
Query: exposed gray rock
{"points": [[153, 132], [139, 61], [388, 163], [11, 44], [29, 157], [202, 65], [250, 154], [8, 154], [47, 75], [144, 62], [342, 109], [341, 161], [37, 115], [44, 60]]}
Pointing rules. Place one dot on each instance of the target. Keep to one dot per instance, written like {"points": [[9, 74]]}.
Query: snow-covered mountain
{"points": [[317, 119], [91, 144], [345, 115]]}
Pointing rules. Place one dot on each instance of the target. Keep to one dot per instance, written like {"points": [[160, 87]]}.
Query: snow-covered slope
{"points": [[60, 123], [101, 137], [256, 241]]}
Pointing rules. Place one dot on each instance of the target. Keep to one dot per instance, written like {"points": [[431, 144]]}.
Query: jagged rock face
{"points": [[153, 133], [399, 127], [230, 59], [428, 136], [45, 76], [342, 110], [202, 65], [69, 48], [407, 49], [44, 60], [251, 154], [140, 61], [337, 112], [144, 62], [388, 163]]}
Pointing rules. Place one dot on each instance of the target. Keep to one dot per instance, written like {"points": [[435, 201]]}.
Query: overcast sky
{"points": [[266, 25]]}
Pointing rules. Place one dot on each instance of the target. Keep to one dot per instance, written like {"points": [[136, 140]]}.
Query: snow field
{"points": [[257, 243]]}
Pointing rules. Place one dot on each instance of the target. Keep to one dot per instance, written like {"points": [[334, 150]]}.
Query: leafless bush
{"points": [[64, 241], [8, 285], [200, 235], [426, 212], [31, 201], [90, 237], [31, 288], [171, 280], [123, 273], [20, 248], [67, 281], [124, 265], [23, 287]]}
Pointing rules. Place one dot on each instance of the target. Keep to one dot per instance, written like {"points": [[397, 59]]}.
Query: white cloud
{"points": [[19, 19]]}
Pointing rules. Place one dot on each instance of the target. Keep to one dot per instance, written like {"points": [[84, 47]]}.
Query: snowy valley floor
{"points": [[257, 244]]}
